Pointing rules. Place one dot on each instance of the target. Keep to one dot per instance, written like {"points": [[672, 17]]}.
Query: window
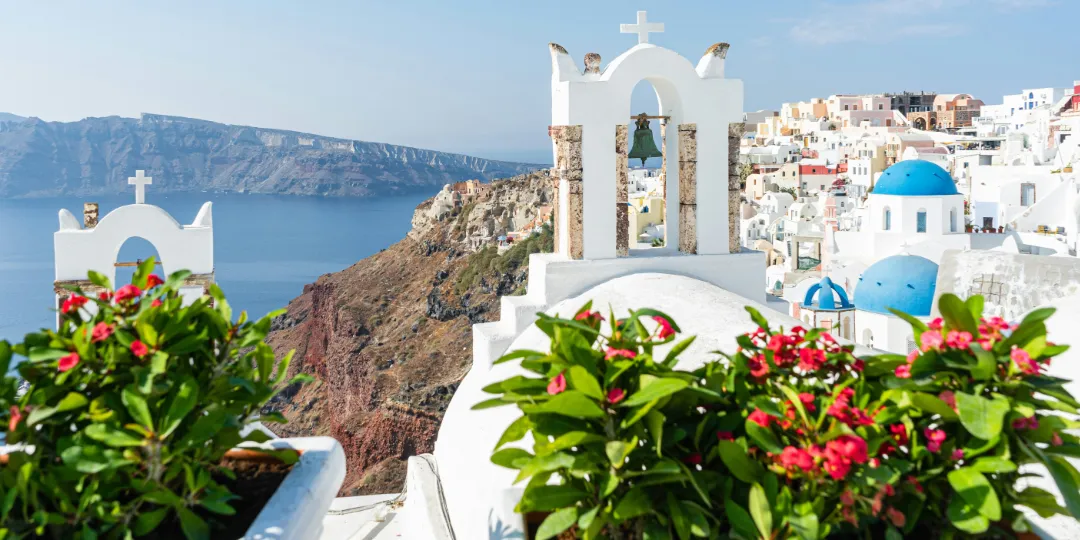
{"points": [[1027, 194], [920, 221], [880, 107], [952, 220], [845, 107], [886, 219]]}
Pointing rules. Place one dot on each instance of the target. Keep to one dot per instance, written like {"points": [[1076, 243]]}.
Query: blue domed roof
{"points": [[825, 297], [915, 177], [902, 282]]}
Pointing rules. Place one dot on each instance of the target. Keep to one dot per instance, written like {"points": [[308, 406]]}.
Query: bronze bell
{"points": [[644, 146]]}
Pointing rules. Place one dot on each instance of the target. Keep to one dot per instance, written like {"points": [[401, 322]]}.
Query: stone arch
{"points": [[868, 337], [920, 124]]}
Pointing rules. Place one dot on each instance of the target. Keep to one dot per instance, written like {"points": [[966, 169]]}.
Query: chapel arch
{"points": [[128, 254], [644, 203]]}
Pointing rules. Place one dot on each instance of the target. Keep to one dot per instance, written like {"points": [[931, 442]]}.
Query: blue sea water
{"points": [[266, 247]]}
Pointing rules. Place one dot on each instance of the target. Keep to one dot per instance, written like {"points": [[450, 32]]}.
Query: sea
{"points": [[266, 247]]}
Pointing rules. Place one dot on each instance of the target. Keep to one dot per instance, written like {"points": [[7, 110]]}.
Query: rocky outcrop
{"points": [[389, 338], [96, 156]]}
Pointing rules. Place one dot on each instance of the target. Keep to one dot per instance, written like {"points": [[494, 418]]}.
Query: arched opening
{"points": [[886, 219], [868, 338], [920, 220], [646, 203], [845, 328], [952, 219], [133, 251], [920, 124]]}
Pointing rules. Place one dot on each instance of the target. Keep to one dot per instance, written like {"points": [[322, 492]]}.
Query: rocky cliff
{"points": [[96, 156], [389, 338]]}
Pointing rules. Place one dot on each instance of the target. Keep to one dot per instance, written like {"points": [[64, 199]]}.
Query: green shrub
{"points": [[130, 410]]}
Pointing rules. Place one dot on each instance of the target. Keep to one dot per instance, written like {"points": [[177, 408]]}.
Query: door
{"points": [[988, 223]]}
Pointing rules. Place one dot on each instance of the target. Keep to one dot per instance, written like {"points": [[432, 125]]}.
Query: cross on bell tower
{"points": [[642, 28], [140, 181]]}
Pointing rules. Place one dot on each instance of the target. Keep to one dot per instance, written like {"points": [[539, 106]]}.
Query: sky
{"points": [[473, 76]]}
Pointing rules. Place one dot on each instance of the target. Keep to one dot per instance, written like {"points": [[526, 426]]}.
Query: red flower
{"points": [[693, 459], [934, 438], [896, 517], [935, 324], [827, 337], [590, 317], [101, 332], [859, 417], [68, 362], [155, 303], [899, 433], [958, 340], [931, 339], [776, 342], [847, 498], [615, 395], [139, 349], [612, 353], [127, 292], [666, 330], [811, 359], [888, 489], [958, 454], [759, 367], [915, 482], [16, 417], [903, 371], [911, 356], [1026, 423], [1056, 440], [556, 386], [840, 411], [1023, 361], [104, 296], [794, 458], [949, 398], [837, 468], [760, 418], [725, 436], [73, 303], [153, 281], [850, 447], [807, 401]]}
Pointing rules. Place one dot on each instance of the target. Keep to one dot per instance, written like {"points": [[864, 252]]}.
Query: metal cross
{"points": [[642, 28], [140, 181]]}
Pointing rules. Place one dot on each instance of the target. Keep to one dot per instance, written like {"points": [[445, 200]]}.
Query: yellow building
{"points": [[643, 213]]}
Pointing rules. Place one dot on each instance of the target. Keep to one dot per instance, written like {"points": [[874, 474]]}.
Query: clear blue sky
{"points": [[473, 76]]}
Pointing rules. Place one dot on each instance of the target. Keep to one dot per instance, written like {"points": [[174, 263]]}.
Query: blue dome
{"points": [[915, 177], [903, 282], [825, 298]]}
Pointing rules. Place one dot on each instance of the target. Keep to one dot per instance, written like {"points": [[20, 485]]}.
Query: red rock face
{"points": [[388, 340]]}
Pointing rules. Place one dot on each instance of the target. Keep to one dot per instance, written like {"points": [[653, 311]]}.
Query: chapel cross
{"points": [[140, 181], [642, 28]]}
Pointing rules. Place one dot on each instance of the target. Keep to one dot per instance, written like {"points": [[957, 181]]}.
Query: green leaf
{"points": [[975, 306], [678, 516], [187, 394], [557, 522], [764, 437], [5, 356], [933, 405], [99, 279], [113, 436], [654, 389], [740, 519], [136, 407], [804, 521], [738, 463], [966, 517], [673, 355], [976, 490], [541, 498], [635, 503], [580, 379], [982, 417], [571, 403], [655, 422], [543, 464], [956, 314], [511, 458], [760, 511], [205, 426], [985, 365], [758, 319], [193, 526], [148, 520], [992, 464], [1068, 482], [617, 451], [515, 431]]}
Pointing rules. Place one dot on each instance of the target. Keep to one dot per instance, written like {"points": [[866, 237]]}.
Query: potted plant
{"points": [[131, 418]]}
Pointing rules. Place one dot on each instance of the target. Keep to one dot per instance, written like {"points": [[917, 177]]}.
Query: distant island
{"points": [[95, 156]]}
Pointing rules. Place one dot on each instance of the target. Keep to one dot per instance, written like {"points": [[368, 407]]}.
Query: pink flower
{"points": [[556, 386], [1056, 440], [1026, 423], [949, 398], [139, 349], [911, 356], [851, 447], [896, 517], [590, 317], [931, 339], [934, 438], [958, 454], [104, 296], [68, 362], [903, 371], [794, 458], [101, 332], [958, 340], [153, 281], [827, 338], [127, 292], [760, 418], [73, 303], [615, 395], [725, 436], [935, 324], [612, 353], [16, 417], [847, 498], [666, 330], [1023, 361], [899, 433]]}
